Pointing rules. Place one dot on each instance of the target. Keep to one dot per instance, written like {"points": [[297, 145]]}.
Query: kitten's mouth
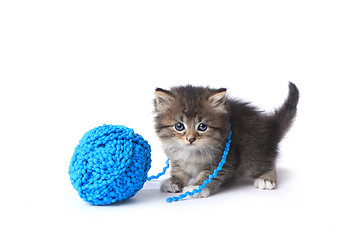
{"points": [[191, 145]]}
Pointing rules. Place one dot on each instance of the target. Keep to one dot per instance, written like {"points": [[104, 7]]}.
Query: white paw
{"points": [[203, 194], [264, 184], [168, 186]]}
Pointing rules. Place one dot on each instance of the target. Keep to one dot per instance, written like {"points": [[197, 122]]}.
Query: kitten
{"points": [[193, 125]]}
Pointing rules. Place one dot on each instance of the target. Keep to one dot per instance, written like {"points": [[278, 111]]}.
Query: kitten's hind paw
{"points": [[203, 194], [168, 186], [266, 181], [264, 184]]}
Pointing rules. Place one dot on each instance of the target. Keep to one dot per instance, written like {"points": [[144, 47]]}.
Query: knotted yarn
{"points": [[109, 164]]}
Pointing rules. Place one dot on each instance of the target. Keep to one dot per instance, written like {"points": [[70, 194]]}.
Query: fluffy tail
{"points": [[285, 115]]}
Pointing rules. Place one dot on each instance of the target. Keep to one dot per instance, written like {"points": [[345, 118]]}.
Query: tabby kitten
{"points": [[193, 124]]}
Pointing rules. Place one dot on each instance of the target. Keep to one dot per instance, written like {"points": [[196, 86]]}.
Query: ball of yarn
{"points": [[110, 164]]}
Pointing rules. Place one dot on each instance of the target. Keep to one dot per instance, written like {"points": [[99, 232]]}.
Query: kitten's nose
{"points": [[191, 139]]}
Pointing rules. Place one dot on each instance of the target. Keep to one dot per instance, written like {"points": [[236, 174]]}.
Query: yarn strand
{"points": [[162, 173]]}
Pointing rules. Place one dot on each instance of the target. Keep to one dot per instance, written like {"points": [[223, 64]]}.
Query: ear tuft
{"points": [[163, 98], [218, 99]]}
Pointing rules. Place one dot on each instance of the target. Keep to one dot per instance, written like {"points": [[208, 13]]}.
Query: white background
{"points": [[69, 66]]}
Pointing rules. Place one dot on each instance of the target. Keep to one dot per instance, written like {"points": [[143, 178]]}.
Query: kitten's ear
{"points": [[217, 99], [163, 98]]}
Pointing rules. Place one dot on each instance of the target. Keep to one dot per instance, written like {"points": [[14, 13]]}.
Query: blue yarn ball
{"points": [[110, 164]]}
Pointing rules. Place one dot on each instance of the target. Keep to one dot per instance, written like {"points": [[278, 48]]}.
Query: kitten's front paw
{"points": [[203, 194], [168, 186]]}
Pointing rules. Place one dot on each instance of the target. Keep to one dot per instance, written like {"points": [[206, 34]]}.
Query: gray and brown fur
{"points": [[194, 154]]}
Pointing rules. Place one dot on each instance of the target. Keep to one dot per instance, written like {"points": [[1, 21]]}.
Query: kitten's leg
{"points": [[267, 181], [211, 187], [178, 180]]}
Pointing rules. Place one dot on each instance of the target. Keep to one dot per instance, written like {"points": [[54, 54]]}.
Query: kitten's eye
{"points": [[202, 127], [179, 127]]}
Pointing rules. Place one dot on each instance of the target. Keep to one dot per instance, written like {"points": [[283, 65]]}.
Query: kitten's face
{"points": [[191, 118]]}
